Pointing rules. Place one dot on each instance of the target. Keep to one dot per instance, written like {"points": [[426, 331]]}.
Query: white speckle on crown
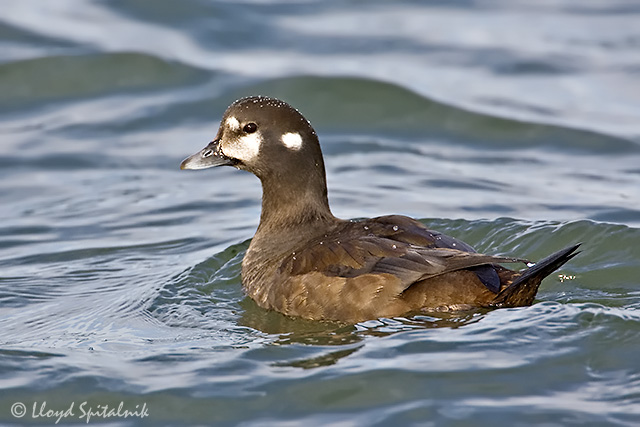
{"points": [[292, 140], [245, 148], [233, 123]]}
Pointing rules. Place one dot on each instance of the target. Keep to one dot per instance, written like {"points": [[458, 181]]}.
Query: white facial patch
{"points": [[292, 140], [233, 123], [245, 148]]}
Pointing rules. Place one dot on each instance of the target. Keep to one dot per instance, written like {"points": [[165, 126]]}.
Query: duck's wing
{"points": [[393, 245], [415, 232]]}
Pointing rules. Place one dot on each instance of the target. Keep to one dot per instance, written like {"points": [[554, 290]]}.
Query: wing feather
{"points": [[387, 245]]}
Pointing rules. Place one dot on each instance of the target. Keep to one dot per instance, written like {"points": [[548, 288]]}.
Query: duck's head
{"points": [[264, 136]]}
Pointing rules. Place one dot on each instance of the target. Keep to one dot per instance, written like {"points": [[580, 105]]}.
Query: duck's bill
{"points": [[208, 157]]}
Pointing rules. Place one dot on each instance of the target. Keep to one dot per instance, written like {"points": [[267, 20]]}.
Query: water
{"points": [[514, 126]]}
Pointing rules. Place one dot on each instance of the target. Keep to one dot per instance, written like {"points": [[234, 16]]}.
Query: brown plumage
{"points": [[305, 262]]}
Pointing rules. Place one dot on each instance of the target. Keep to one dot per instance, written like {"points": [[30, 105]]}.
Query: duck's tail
{"points": [[523, 290]]}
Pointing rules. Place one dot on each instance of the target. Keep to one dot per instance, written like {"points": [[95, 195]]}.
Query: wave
{"points": [[366, 106], [40, 81]]}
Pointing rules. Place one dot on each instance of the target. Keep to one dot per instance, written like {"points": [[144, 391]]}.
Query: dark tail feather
{"points": [[524, 288]]}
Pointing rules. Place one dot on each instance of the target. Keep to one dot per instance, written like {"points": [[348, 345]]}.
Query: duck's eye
{"points": [[250, 127]]}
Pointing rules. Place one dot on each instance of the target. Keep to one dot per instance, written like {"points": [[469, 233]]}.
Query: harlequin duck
{"points": [[305, 262]]}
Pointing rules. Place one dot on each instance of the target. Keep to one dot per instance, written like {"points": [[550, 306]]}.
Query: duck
{"points": [[305, 262]]}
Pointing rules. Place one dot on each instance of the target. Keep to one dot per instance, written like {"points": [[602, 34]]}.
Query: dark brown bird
{"points": [[305, 262]]}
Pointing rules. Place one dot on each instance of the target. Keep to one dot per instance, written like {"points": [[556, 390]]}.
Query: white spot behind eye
{"points": [[292, 140], [233, 123], [244, 148]]}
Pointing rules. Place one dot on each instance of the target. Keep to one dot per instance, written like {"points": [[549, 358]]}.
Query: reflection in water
{"points": [[290, 330], [328, 359]]}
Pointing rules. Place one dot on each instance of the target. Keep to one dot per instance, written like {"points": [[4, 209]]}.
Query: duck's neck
{"points": [[288, 206]]}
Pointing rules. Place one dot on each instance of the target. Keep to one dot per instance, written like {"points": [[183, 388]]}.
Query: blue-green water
{"points": [[514, 126]]}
